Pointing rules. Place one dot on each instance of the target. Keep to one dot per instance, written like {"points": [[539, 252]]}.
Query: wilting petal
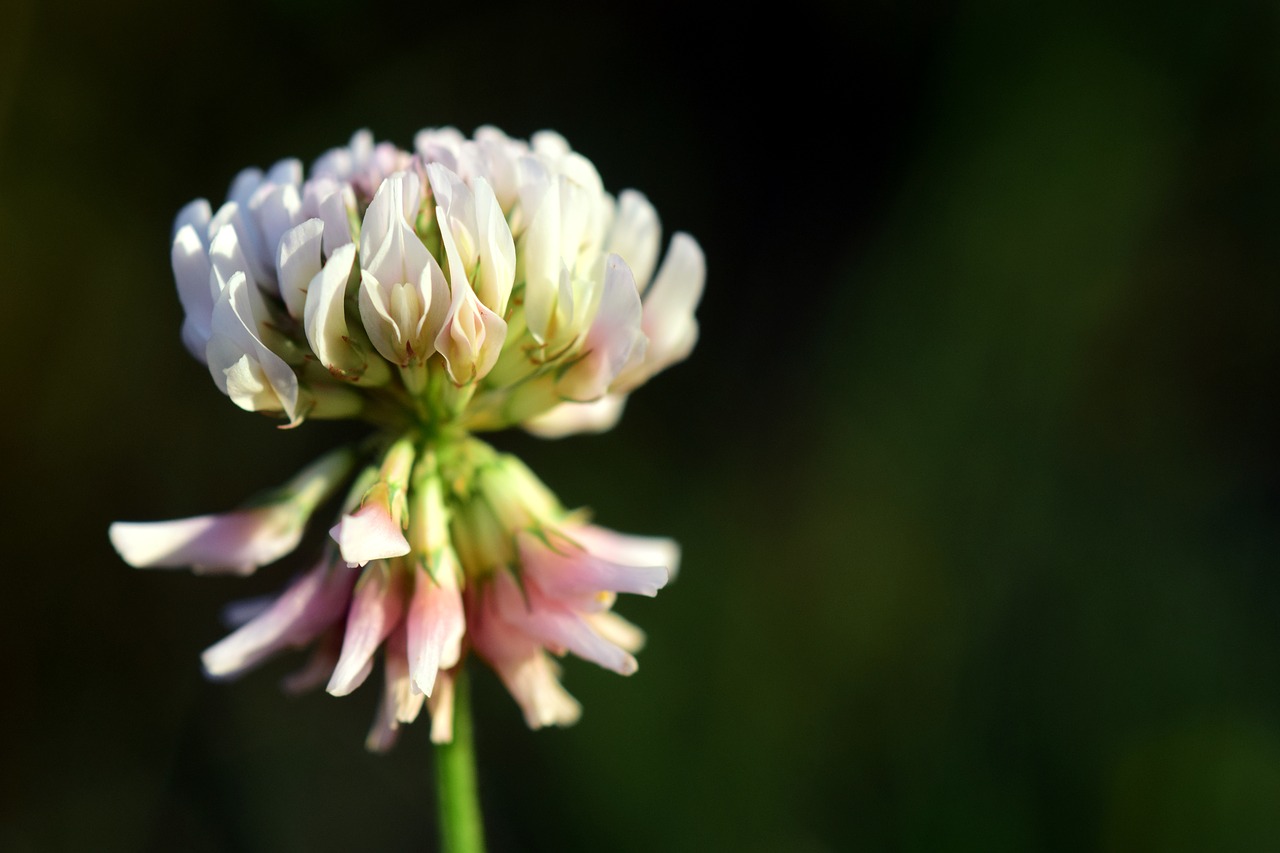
{"points": [[371, 532], [555, 625], [616, 630], [237, 541], [440, 706], [375, 610], [319, 666], [399, 703], [234, 542], [527, 672], [435, 622], [311, 604], [628, 549], [563, 569]]}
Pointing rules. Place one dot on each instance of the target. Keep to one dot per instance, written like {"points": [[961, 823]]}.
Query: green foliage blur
{"points": [[975, 466]]}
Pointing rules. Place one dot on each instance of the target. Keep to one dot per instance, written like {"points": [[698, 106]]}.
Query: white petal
{"points": [[297, 262], [254, 377], [191, 270], [635, 236], [196, 214], [540, 252], [497, 250], [669, 305], [324, 317]]}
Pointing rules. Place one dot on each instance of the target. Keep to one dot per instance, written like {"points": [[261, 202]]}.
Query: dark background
{"points": [[975, 466]]}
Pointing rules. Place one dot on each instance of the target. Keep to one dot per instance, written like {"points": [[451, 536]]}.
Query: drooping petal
{"points": [[628, 549], [399, 704], [562, 569], [237, 541], [319, 666], [435, 623], [234, 542], [616, 630], [375, 609], [555, 625], [440, 706], [529, 675], [372, 532], [314, 602]]}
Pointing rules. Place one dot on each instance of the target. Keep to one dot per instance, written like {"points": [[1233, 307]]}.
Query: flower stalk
{"points": [[457, 794]]}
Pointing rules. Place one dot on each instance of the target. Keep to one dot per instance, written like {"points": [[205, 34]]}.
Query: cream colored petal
{"points": [[573, 418], [635, 236], [614, 340]]}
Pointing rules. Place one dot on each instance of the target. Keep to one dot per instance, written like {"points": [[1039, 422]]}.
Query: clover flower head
{"points": [[471, 284]]}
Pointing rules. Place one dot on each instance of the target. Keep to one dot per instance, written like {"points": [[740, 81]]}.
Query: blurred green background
{"points": [[975, 466]]}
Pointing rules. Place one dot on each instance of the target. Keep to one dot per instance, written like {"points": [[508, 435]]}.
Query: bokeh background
{"points": [[975, 466]]}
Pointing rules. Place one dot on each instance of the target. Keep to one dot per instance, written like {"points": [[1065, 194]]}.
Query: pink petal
{"points": [[435, 623], [375, 610], [525, 669], [556, 626], [312, 603], [628, 549], [565, 569], [370, 533], [235, 542]]}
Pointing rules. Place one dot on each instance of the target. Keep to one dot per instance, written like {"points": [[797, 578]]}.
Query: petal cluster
{"points": [[483, 281], [437, 549]]}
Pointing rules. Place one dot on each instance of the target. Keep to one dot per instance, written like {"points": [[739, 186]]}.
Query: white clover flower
{"points": [[471, 284]]}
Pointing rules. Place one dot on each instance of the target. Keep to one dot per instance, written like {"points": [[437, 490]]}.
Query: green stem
{"points": [[461, 828]]}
